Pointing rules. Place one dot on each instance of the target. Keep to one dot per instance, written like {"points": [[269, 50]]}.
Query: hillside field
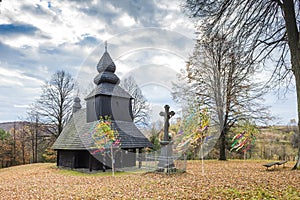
{"points": [[235, 179]]}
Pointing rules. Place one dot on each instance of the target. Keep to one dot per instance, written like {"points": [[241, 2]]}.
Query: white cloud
{"points": [[17, 77], [5, 81], [21, 106], [126, 20], [171, 61]]}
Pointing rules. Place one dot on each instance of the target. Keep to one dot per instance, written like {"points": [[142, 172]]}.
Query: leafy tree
{"points": [[49, 155], [6, 148], [15, 146], [219, 76], [55, 103], [106, 138], [154, 138], [140, 107], [155, 131], [19, 144], [269, 29], [3, 134]]}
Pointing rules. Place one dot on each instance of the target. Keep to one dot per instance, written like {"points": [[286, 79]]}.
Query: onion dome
{"points": [[106, 68]]}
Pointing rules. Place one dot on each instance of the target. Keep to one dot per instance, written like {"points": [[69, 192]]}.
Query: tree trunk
{"points": [[112, 160], [32, 146], [293, 42], [23, 153], [36, 139], [222, 146], [297, 165], [297, 78], [14, 145]]}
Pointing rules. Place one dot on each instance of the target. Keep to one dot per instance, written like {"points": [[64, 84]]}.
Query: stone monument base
{"points": [[166, 162]]}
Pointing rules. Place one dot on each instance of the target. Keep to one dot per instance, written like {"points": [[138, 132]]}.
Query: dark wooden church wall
{"points": [[108, 106], [66, 158], [81, 159], [122, 159], [119, 113], [90, 110], [96, 164], [103, 106]]}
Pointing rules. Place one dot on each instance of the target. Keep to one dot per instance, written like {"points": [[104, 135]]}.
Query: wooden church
{"points": [[75, 145]]}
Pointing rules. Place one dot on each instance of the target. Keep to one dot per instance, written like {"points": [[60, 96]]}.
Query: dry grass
{"points": [[221, 180]]}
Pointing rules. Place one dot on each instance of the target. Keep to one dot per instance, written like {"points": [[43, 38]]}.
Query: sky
{"points": [[149, 40]]}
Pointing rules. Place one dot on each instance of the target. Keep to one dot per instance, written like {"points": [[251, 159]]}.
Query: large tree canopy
{"points": [[269, 30], [220, 78]]}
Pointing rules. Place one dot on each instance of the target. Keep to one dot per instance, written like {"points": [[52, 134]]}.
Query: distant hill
{"points": [[9, 125]]}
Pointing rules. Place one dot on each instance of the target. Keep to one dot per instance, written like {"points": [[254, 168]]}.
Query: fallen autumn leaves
{"points": [[221, 180]]}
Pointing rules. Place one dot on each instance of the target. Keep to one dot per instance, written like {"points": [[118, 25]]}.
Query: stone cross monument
{"points": [[165, 158], [167, 115]]}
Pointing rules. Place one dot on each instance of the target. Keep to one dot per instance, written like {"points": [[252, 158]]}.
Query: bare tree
{"points": [[55, 103], [269, 28], [220, 78], [140, 106], [34, 124]]}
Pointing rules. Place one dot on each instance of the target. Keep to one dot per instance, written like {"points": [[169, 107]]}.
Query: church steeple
{"points": [[106, 68], [108, 98]]}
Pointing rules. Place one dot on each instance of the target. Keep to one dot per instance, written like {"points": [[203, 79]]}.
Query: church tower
{"points": [[108, 98]]}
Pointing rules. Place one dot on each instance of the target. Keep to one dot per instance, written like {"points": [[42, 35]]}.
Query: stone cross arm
{"points": [[167, 115]]}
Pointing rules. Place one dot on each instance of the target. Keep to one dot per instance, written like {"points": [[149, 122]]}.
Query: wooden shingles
{"points": [[77, 134]]}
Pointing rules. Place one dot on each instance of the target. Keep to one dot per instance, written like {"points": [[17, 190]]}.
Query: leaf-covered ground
{"points": [[221, 180]]}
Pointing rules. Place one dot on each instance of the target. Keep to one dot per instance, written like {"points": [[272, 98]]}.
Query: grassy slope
{"points": [[221, 180]]}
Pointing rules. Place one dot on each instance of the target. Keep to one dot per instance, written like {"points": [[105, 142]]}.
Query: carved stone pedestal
{"points": [[166, 157]]}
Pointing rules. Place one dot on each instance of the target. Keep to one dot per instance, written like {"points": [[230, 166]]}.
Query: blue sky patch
{"points": [[9, 54], [24, 29], [88, 41]]}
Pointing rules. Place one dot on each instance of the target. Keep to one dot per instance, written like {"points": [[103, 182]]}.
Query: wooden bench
{"points": [[282, 162], [267, 165]]}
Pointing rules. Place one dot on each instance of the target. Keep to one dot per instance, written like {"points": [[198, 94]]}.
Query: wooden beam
{"points": [[90, 163]]}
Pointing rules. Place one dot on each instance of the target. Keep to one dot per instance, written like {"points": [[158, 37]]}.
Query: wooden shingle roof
{"points": [[109, 90], [77, 134]]}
